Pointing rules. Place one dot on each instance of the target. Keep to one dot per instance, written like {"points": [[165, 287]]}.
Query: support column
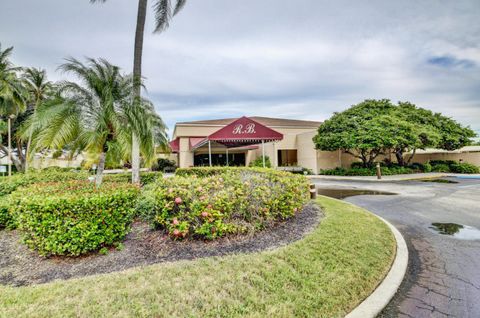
{"points": [[227, 157], [263, 153], [209, 153]]}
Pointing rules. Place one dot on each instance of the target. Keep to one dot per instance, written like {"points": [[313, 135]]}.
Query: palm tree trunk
{"points": [[137, 75], [27, 152], [101, 167]]}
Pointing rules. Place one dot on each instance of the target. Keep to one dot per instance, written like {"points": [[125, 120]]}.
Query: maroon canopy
{"points": [[241, 132], [244, 131], [175, 145]]}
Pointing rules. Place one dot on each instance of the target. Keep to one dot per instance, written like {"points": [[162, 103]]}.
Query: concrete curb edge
{"points": [[384, 292]]}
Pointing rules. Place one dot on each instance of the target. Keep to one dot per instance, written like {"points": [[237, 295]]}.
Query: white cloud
{"points": [[299, 59]]}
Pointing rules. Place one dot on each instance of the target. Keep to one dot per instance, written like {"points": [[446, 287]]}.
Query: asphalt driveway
{"points": [[443, 279]]}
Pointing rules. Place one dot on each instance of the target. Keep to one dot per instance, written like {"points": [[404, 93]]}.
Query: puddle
{"points": [[459, 231], [345, 193], [438, 180]]}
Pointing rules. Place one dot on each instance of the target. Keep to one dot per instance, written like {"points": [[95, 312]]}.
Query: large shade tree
{"points": [[379, 127], [164, 11], [96, 115]]}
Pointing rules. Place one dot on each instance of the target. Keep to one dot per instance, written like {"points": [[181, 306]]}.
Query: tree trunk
{"points": [[399, 156], [137, 76], [411, 157], [100, 168], [27, 152], [15, 160]]}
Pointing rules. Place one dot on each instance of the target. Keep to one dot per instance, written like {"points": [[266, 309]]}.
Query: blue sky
{"points": [[300, 59]]}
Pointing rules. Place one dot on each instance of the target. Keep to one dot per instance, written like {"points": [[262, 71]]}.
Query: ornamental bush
{"points": [[464, 168], [145, 177], [216, 203], [10, 184], [72, 218]]}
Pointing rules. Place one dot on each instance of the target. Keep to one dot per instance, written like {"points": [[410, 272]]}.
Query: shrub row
{"points": [[73, 217], [213, 202], [368, 171], [10, 184], [145, 177], [392, 169]]}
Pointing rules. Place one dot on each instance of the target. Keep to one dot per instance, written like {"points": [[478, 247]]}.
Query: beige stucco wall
{"points": [[470, 157]]}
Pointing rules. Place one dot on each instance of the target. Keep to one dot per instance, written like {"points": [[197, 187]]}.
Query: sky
{"points": [[302, 59]]}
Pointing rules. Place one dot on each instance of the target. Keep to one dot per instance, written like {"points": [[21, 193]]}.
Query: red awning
{"points": [[244, 131], [175, 145], [241, 132], [195, 141]]}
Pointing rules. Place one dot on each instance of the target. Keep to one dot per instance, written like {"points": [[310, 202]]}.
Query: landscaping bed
{"points": [[325, 274], [142, 246]]}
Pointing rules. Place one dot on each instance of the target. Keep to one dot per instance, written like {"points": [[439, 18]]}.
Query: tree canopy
{"points": [[379, 127]]}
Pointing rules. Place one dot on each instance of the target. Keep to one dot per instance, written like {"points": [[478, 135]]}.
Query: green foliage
{"points": [[259, 162], [72, 218], [163, 164], [10, 184], [372, 171], [146, 177], [213, 202], [464, 168], [441, 167], [375, 127], [393, 169]]}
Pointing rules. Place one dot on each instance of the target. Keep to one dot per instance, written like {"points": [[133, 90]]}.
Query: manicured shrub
{"points": [[162, 164], [259, 162], [464, 168], [372, 171], [10, 184], [440, 167], [72, 218], [6, 219], [216, 204], [145, 177]]}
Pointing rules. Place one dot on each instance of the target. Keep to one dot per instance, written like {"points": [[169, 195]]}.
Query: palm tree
{"points": [[97, 115], [12, 94], [163, 15], [38, 88]]}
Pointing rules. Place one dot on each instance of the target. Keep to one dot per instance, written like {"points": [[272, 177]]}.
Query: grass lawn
{"points": [[324, 275]]}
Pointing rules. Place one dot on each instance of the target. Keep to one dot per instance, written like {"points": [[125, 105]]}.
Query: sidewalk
{"points": [[398, 177]]}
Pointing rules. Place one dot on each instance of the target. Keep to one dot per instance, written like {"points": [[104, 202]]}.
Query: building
{"points": [[287, 142]]}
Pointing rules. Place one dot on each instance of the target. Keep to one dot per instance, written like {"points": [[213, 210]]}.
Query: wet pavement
{"points": [[443, 278]]}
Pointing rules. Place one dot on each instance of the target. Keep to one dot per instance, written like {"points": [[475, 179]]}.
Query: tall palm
{"points": [[38, 88], [96, 115], [163, 15], [12, 93]]}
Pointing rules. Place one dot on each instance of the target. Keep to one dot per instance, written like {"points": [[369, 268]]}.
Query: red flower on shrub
{"points": [[204, 214], [178, 200], [175, 222]]}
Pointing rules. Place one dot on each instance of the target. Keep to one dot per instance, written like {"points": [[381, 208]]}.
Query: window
{"points": [[287, 157]]}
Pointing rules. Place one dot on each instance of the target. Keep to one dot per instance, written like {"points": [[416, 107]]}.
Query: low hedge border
{"points": [[72, 218]]}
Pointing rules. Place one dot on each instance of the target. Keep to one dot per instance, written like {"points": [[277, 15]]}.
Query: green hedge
{"points": [[72, 218], [213, 202], [10, 184], [145, 177], [392, 169]]}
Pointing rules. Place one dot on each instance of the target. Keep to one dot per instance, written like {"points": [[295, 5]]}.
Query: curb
{"points": [[384, 292]]}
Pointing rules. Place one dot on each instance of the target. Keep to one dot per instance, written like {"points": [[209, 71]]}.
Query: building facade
{"points": [[196, 143]]}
